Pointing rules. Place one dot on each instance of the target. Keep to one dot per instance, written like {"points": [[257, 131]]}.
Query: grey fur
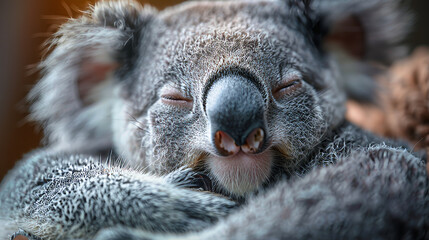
{"points": [[328, 179]]}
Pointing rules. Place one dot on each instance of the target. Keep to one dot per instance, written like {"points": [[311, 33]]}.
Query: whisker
{"points": [[67, 8]]}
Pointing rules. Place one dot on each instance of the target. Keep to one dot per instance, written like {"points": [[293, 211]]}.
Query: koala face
{"points": [[208, 85], [239, 90]]}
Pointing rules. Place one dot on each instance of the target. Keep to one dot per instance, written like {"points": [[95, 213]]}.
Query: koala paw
{"points": [[187, 178]]}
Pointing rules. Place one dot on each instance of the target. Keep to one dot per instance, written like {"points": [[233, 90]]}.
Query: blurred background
{"points": [[26, 24]]}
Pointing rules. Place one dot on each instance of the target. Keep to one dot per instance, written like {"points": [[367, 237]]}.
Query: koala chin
{"points": [[216, 120], [241, 174]]}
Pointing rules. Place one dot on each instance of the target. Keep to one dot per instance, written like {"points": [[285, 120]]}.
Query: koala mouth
{"points": [[241, 173]]}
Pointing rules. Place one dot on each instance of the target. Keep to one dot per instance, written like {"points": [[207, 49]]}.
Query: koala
{"points": [[215, 120]]}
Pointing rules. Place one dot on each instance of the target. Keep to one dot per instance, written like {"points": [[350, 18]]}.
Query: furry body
{"points": [[141, 82]]}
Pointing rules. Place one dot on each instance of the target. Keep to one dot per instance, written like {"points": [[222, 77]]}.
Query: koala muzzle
{"points": [[235, 109]]}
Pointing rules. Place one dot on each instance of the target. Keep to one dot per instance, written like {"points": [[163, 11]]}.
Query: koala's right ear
{"points": [[73, 100]]}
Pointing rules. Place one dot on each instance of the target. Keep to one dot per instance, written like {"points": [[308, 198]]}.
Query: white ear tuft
{"points": [[73, 100]]}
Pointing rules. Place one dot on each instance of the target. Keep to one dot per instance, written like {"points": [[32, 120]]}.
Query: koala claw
{"points": [[187, 178]]}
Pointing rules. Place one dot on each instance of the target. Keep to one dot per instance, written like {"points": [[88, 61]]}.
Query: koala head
{"points": [[240, 90]]}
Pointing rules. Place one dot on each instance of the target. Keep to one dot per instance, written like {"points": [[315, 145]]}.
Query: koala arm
{"points": [[71, 196], [376, 193]]}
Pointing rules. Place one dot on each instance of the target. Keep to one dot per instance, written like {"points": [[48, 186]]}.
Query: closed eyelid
{"points": [[286, 77], [174, 97], [289, 83], [286, 83]]}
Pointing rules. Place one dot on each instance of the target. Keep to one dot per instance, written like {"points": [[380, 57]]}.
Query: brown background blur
{"points": [[25, 25]]}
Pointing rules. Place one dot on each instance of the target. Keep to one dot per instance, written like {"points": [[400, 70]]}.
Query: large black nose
{"points": [[235, 108]]}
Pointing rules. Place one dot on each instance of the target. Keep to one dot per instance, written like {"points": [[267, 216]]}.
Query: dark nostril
{"points": [[225, 144], [254, 141]]}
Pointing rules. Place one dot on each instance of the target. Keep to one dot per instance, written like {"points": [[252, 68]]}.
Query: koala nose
{"points": [[235, 109]]}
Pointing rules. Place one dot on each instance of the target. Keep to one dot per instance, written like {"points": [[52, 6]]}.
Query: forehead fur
{"points": [[231, 26], [194, 13], [195, 41]]}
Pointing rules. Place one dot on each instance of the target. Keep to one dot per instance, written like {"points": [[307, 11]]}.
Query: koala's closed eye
{"points": [[287, 87], [174, 97]]}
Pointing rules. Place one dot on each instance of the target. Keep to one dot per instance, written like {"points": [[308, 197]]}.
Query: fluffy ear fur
{"points": [[367, 30], [73, 99], [358, 32]]}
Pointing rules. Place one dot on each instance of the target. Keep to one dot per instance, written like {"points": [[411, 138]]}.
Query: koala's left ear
{"points": [[366, 30], [74, 98]]}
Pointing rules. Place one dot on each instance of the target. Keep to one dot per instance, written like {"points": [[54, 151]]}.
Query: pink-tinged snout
{"points": [[227, 146]]}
